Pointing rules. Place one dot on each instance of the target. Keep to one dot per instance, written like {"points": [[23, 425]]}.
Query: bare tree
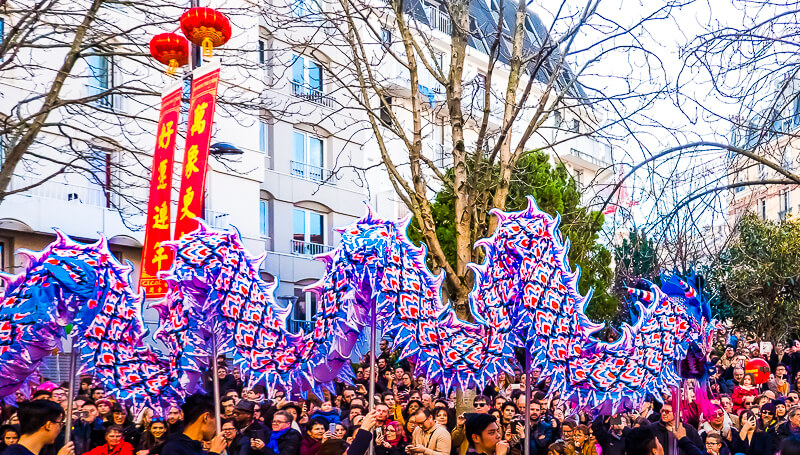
{"points": [[500, 78]]}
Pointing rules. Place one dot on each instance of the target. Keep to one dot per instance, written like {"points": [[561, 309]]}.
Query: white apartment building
{"points": [[308, 165]]}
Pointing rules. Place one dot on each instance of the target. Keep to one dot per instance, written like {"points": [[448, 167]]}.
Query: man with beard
{"points": [[252, 433]]}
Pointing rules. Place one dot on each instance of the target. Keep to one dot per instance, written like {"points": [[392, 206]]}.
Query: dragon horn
{"points": [[641, 294], [688, 291], [61, 238]]}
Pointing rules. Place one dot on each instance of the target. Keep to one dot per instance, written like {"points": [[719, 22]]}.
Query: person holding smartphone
{"points": [[429, 437]]}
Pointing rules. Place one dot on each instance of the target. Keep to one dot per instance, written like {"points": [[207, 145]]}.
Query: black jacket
{"points": [[611, 444], [180, 444], [288, 444], [665, 435], [87, 436]]}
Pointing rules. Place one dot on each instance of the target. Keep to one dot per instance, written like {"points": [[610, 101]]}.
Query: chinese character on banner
{"points": [[198, 140], [156, 258]]}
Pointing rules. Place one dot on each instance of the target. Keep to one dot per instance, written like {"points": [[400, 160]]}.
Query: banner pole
{"points": [[215, 382]]}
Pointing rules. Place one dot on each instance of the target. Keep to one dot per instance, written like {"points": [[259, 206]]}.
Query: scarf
{"points": [[398, 431], [273, 439]]}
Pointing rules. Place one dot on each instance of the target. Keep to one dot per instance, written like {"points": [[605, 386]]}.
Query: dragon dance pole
{"points": [[73, 361], [676, 412], [527, 446], [373, 324], [215, 381]]}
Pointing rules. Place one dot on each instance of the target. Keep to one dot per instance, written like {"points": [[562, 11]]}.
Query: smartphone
{"points": [[515, 386], [378, 432], [332, 428]]}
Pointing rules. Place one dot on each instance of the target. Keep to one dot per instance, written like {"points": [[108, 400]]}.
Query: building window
{"points": [[307, 73], [101, 79], [557, 118], [386, 37], [386, 111], [305, 307], [3, 249], [263, 136], [309, 154], [263, 218], [305, 8], [99, 161], [786, 202], [2, 34], [576, 126], [763, 209], [262, 51], [308, 232]]}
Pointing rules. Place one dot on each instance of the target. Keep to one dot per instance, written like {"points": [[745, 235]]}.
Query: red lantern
{"points": [[206, 28], [170, 49], [759, 368]]}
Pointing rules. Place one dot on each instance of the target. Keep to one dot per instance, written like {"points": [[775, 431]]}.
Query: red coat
{"points": [[739, 394], [124, 448]]}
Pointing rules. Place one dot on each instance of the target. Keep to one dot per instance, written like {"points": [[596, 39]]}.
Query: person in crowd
{"points": [[483, 435], [115, 443], [607, 430], [744, 391], [9, 435], [174, 420], [229, 433], [104, 409], [790, 446], [541, 428], [121, 418], [282, 439], [792, 425], [227, 403], [327, 412], [251, 432], [583, 442], [429, 437], [715, 446], [199, 427], [316, 434], [665, 429], [391, 441], [442, 416], [89, 431], [153, 438], [41, 422]]}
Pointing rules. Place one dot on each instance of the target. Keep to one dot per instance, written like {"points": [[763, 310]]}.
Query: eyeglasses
{"points": [[59, 422], [767, 412], [281, 422], [480, 405]]}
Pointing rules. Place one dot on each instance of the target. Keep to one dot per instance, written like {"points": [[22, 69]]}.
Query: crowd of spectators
{"points": [[412, 416]]}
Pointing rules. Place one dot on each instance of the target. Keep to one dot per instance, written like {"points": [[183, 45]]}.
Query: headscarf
{"points": [[398, 431]]}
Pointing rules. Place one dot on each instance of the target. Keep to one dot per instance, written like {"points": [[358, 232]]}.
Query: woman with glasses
{"points": [[392, 441], [752, 440]]}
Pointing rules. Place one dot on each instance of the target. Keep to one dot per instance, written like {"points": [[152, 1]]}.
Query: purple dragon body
{"points": [[525, 296], [85, 286]]}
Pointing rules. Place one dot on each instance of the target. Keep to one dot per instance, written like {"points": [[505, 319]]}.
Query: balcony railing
{"points": [[438, 19], [77, 194], [589, 157], [313, 95], [311, 172], [443, 156], [309, 248], [219, 220], [295, 325]]}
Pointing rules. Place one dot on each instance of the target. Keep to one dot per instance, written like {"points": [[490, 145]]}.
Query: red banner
{"points": [[156, 258], [198, 140]]}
